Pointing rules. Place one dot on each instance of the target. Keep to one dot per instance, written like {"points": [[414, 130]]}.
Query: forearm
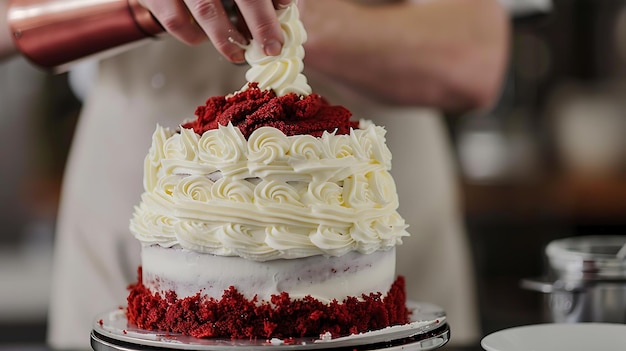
{"points": [[7, 48], [449, 54]]}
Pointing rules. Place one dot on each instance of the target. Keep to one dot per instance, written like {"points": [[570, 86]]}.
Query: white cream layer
{"points": [[269, 197], [281, 73], [324, 278]]}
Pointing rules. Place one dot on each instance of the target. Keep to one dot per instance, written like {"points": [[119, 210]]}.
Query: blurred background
{"points": [[549, 161]]}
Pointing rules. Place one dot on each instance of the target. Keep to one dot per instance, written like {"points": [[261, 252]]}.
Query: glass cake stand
{"points": [[428, 330]]}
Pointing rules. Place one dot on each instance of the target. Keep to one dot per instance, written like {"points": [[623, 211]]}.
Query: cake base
{"points": [[427, 330], [234, 316]]}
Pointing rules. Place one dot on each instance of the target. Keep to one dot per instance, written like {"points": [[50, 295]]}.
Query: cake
{"points": [[271, 214]]}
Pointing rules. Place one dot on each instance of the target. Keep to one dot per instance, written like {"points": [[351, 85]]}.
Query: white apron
{"points": [[96, 257]]}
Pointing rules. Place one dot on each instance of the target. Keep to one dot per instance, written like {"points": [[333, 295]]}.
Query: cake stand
{"points": [[428, 330]]}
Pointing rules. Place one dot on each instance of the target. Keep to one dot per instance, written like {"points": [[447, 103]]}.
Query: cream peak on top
{"points": [[282, 73]]}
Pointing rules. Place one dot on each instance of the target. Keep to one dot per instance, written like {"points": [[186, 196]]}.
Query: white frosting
{"points": [[282, 73], [324, 278], [271, 196]]}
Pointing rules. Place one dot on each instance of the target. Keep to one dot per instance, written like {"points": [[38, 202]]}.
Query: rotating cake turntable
{"points": [[428, 330]]}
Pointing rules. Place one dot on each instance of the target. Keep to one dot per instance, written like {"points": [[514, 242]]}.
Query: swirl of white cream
{"points": [[267, 145], [161, 198], [337, 146], [156, 153], [225, 145], [247, 242], [189, 140], [332, 241], [194, 188], [382, 188], [272, 191], [182, 146], [305, 147], [282, 73], [380, 150], [238, 236], [162, 228], [366, 231], [356, 192], [397, 230], [290, 242], [378, 233], [197, 236], [325, 193], [372, 145], [153, 227], [150, 173], [365, 235], [360, 148], [233, 190], [138, 226]]}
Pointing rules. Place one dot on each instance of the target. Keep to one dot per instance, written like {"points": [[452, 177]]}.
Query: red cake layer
{"points": [[236, 317], [254, 108]]}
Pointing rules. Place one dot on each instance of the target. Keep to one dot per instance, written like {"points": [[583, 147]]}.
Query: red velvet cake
{"points": [[270, 215], [234, 316]]}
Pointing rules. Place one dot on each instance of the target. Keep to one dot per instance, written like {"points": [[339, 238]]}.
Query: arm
{"points": [[449, 54], [7, 48]]}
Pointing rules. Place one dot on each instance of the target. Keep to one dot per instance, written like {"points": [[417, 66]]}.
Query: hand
{"points": [[193, 21], [448, 54]]}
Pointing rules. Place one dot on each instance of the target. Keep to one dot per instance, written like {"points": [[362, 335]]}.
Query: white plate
{"points": [[426, 319], [556, 337]]}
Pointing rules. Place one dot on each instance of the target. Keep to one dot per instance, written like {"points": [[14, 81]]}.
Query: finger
{"points": [[260, 17], [176, 19], [213, 19], [281, 4]]}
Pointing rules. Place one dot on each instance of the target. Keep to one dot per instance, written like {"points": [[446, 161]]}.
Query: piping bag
{"points": [[53, 34]]}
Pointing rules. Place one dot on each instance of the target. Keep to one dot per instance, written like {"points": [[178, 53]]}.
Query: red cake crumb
{"points": [[235, 317], [291, 114]]}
